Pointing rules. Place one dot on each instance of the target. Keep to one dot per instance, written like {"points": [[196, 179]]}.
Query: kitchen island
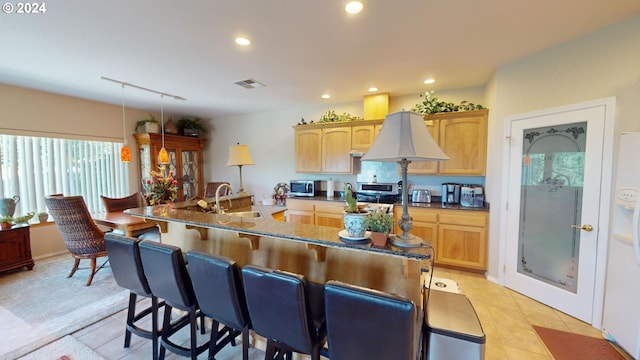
{"points": [[317, 252]]}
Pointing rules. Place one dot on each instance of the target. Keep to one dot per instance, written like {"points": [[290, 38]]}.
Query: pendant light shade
{"points": [[163, 155], [125, 152]]}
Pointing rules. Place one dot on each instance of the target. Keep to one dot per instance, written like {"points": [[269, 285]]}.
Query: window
{"points": [[35, 167]]}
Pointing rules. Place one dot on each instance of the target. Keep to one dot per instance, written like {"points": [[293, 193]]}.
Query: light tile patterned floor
{"points": [[507, 318]]}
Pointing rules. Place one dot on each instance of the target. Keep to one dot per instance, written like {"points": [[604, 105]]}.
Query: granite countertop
{"points": [[431, 205], [267, 226]]}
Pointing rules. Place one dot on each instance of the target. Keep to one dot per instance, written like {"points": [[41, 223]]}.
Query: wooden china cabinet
{"points": [[185, 159]]}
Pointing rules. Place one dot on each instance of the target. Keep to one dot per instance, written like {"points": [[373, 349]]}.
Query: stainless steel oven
{"points": [[378, 192]]}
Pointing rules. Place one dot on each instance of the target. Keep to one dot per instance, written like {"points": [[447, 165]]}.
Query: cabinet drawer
{"points": [[459, 218], [331, 209], [303, 205], [420, 215]]}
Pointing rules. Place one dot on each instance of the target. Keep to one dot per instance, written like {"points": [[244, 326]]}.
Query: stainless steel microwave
{"points": [[304, 188]]}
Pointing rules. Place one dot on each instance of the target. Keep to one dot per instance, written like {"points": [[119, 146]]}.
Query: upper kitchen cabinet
{"points": [[362, 137], [323, 149], [185, 160], [308, 144], [463, 137]]}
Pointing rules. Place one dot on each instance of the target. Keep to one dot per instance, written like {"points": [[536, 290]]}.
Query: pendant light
{"points": [[163, 156], [125, 152]]}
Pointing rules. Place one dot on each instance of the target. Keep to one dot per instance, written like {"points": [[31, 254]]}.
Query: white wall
{"points": [[600, 65]]}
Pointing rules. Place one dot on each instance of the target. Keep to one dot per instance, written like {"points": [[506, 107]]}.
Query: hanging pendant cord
{"points": [[162, 118], [124, 126]]}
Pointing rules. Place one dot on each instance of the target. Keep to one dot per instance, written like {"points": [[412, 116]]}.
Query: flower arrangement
{"points": [[160, 188]]}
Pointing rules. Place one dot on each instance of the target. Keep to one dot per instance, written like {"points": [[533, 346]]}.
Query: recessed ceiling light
{"points": [[353, 7], [243, 41], [429, 81], [373, 89], [326, 96]]}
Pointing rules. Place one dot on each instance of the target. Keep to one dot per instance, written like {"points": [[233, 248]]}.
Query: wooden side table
{"points": [[15, 248]]}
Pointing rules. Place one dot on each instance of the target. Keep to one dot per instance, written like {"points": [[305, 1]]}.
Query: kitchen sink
{"points": [[245, 214]]}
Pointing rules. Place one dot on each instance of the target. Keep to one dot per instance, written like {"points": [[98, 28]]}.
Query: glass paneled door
{"points": [[553, 208]]}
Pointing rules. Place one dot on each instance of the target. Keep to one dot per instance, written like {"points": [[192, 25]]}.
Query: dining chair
{"points": [[284, 311], [80, 234], [126, 265], [367, 324], [210, 190], [218, 286], [134, 200]]}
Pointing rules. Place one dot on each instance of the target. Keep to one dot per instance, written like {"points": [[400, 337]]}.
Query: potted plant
{"points": [[191, 127], [354, 216], [6, 222], [380, 225], [149, 125], [43, 217]]}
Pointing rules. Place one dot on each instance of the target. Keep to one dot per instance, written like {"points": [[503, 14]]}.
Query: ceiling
{"points": [[300, 49]]}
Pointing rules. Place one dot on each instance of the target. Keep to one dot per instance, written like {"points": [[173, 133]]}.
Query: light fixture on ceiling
{"points": [[404, 138], [242, 41], [429, 81], [353, 7], [373, 89], [238, 156], [163, 155], [326, 96], [125, 152]]}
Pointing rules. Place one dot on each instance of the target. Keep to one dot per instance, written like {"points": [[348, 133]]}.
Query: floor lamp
{"points": [[404, 138], [238, 156]]}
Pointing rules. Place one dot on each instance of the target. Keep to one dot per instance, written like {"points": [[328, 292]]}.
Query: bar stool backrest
{"points": [[126, 264], [367, 324]]}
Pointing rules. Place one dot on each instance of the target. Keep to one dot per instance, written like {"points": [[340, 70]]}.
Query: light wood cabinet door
{"points": [[336, 146], [300, 217], [426, 167], [362, 137], [425, 223], [308, 148], [464, 140], [462, 239]]}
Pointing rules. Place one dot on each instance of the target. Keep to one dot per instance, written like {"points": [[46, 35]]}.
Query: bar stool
{"points": [[166, 272], [367, 324], [217, 283], [126, 265], [282, 310]]}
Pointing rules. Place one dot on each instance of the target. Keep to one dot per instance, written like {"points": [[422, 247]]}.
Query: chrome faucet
{"points": [[220, 210]]}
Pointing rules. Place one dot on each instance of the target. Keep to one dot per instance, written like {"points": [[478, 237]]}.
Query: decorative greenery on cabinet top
{"points": [[331, 117], [430, 104]]}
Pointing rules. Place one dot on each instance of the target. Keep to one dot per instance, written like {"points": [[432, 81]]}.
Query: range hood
{"points": [[357, 153]]}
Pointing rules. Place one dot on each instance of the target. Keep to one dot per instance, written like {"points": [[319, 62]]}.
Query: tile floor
{"points": [[506, 317]]}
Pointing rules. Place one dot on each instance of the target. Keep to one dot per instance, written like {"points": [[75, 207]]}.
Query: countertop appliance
{"points": [[307, 188], [385, 193], [450, 194], [420, 196], [471, 195], [621, 316]]}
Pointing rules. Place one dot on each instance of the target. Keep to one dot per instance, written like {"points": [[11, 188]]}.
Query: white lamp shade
{"points": [[404, 135], [239, 155]]}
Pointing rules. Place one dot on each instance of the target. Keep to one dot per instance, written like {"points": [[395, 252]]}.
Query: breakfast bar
{"points": [[317, 252]]}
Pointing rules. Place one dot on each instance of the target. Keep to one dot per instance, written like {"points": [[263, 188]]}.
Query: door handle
{"points": [[583, 227]]}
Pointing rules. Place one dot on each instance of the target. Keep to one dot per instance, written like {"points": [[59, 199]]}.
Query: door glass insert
{"points": [[189, 174], [551, 201]]}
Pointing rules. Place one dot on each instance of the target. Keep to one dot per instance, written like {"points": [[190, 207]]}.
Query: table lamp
{"points": [[239, 156], [404, 138]]}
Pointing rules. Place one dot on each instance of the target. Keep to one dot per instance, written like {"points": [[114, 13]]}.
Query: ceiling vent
{"points": [[249, 83]]}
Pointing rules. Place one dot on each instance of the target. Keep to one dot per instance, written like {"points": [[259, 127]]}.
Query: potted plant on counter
{"points": [[380, 225], [354, 217]]}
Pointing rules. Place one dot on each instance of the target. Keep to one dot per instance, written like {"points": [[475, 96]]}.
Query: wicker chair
{"points": [[134, 200], [210, 191], [81, 235]]}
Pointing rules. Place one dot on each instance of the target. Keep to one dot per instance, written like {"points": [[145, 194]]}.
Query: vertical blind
{"points": [[35, 167]]}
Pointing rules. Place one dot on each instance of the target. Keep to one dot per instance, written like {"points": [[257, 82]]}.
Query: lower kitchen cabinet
{"points": [[299, 211], [459, 237], [315, 212]]}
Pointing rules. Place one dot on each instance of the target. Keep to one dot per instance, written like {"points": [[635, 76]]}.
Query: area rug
{"points": [[66, 348], [38, 307], [569, 346]]}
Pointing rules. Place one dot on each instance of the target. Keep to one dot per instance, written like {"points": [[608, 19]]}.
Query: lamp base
{"points": [[405, 241], [241, 193]]}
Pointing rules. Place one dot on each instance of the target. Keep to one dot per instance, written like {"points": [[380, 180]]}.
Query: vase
{"points": [[170, 127], [354, 224], [379, 239]]}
